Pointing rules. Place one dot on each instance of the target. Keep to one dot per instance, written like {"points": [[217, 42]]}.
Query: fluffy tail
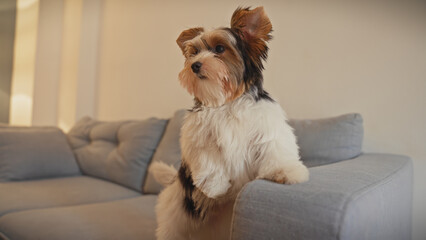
{"points": [[163, 173]]}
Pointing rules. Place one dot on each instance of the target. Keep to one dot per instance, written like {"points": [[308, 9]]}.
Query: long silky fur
{"points": [[234, 134]]}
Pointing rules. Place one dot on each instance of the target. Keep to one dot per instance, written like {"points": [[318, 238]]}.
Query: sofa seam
{"points": [[237, 199], [363, 191], [73, 205]]}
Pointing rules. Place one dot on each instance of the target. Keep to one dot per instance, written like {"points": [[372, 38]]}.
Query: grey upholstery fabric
{"points": [[328, 140], [168, 151], [19, 196], [116, 151], [368, 197], [321, 141], [129, 219], [33, 153]]}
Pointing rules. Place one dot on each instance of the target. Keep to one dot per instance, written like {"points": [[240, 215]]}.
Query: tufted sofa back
{"points": [[121, 151], [116, 151]]}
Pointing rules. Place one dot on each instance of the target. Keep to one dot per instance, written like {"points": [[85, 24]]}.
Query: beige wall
{"points": [[55, 62], [77, 88], [326, 58], [48, 62], [24, 54], [7, 36]]}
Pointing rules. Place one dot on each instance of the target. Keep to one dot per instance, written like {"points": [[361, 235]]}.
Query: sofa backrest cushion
{"points": [[35, 152], [328, 140], [116, 151], [168, 151], [321, 141]]}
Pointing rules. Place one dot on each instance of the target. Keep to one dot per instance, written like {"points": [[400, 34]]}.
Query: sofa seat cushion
{"points": [[124, 219], [19, 196]]}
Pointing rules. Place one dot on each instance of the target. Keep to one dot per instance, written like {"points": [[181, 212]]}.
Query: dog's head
{"points": [[224, 63]]}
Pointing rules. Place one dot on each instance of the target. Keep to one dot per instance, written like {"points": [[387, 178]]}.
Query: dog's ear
{"points": [[254, 28], [188, 35], [252, 23]]}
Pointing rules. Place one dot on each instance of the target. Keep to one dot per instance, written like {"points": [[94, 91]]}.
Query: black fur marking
{"points": [[253, 77], [197, 106], [189, 187], [263, 95]]}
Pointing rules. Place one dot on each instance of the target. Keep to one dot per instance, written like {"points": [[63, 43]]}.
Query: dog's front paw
{"points": [[216, 190], [213, 186], [297, 174]]}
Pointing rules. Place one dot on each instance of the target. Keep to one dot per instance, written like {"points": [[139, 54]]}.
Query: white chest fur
{"points": [[224, 146]]}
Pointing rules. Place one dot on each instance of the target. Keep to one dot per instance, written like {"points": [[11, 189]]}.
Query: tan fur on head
{"points": [[220, 77]]}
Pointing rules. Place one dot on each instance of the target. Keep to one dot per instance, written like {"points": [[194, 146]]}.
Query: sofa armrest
{"points": [[368, 197]]}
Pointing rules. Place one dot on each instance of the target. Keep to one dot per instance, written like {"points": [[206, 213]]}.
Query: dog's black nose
{"points": [[196, 67]]}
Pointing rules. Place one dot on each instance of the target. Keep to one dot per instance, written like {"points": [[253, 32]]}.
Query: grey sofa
{"points": [[94, 183]]}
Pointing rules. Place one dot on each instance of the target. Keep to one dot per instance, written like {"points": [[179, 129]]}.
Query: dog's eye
{"points": [[195, 51], [219, 48]]}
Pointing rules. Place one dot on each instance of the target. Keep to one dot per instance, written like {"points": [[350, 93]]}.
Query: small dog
{"points": [[235, 133]]}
